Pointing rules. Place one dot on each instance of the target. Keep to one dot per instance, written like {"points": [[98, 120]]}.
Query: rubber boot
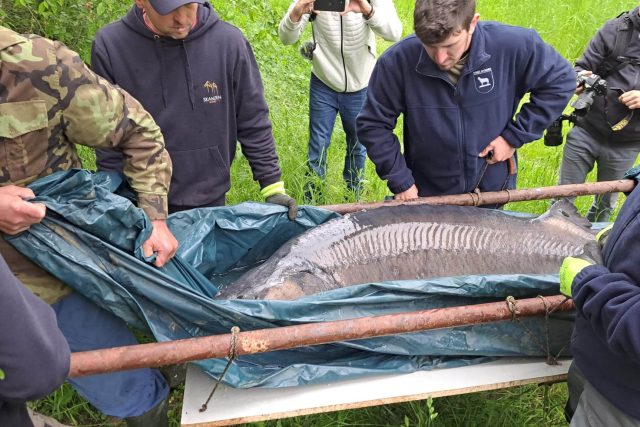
{"points": [[154, 417], [174, 375]]}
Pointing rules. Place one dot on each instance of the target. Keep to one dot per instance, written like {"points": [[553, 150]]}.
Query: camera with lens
{"points": [[306, 50], [594, 85]]}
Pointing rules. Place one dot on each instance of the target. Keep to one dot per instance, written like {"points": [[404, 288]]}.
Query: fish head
{"points": [[285, 281]]}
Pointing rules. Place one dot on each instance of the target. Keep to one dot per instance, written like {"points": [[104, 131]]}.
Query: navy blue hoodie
{"points": [[447, 125], [204, 91], [34, 355], [606, 336]]}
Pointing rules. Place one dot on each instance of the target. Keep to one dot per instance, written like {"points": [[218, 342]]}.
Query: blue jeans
{"points": [[120, 394], [324, 105]]}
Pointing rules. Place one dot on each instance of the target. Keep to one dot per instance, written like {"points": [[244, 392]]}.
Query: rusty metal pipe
{"points": [[265, 340], [499, 197]]}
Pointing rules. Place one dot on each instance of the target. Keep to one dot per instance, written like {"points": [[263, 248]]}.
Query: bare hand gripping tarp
{"points": [[91, 239]]}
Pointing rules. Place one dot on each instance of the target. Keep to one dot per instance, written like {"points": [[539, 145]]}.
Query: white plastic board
{"points": [[233, 406]]}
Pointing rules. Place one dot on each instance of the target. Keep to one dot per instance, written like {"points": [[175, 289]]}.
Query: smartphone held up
{"points": [[330, 5]]}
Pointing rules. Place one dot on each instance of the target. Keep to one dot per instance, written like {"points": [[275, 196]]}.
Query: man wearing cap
{"points": [[199, 79]]}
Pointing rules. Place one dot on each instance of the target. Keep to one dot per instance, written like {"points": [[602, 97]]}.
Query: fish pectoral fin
{"points": [[289, 290]]}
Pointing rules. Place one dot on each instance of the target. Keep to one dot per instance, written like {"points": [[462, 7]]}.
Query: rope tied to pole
{"points": [[550, 359], [546, 346], [231, 355], [475, 197], [508, 195], [512, 305]]}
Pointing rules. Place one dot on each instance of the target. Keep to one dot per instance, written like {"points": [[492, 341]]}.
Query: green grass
{"points": [[567, 25]]}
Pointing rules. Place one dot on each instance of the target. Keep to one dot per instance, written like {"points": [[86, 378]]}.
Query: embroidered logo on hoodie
{"points": [[212, 91], [483, 80]]}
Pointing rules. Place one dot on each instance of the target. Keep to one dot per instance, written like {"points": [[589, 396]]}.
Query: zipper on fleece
{"points": [[456, 98], [344, 65]]}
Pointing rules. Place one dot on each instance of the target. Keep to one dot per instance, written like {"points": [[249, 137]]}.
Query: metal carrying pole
{"points": [[499, 197], [265, 340]]}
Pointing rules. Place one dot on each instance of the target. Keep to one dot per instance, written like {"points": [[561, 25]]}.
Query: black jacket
{"points": [[204, 91], [622, 80]]}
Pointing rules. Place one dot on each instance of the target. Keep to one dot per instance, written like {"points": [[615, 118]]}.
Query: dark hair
{"points": [[435, 20]]}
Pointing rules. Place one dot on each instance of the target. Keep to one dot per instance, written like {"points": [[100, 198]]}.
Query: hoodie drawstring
{"points": [[187, 70], [163, 79], [163, 84]]}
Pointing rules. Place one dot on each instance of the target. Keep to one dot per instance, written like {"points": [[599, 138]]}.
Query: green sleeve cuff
{"points": [[275, 188], [570, 268]]}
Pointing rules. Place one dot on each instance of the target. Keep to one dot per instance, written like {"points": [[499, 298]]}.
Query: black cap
{"points": [[165, 7]]}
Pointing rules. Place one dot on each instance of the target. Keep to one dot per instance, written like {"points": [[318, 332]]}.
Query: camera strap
{"points": [[313, 32], [622, 123], [616, 59]]}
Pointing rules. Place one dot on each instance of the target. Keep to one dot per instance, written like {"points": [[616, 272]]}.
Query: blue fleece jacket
{"points": [[606, 337], [204, 91], [446, 126], [34, 355]]}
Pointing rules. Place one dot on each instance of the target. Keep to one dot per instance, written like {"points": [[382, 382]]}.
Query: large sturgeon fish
{"points": [[414, 242]]}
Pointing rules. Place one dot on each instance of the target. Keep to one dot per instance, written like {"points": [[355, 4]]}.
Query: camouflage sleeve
{"points": [[100, 115]]}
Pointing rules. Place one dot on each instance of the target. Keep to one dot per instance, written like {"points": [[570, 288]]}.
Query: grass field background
{"points": [[566, 25]]}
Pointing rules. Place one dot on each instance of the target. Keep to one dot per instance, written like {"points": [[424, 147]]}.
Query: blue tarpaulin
{"points": [[91, 239]]}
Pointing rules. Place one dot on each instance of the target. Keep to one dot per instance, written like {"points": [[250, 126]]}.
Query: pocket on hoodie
{"points": [[200, 176], [24, 134]]}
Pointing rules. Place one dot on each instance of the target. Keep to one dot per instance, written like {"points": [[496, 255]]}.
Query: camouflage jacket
{"points": [[50, 101]]}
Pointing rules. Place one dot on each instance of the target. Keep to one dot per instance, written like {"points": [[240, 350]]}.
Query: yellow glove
{"points": [[573, 265], [570, 268], [276, 194]]}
